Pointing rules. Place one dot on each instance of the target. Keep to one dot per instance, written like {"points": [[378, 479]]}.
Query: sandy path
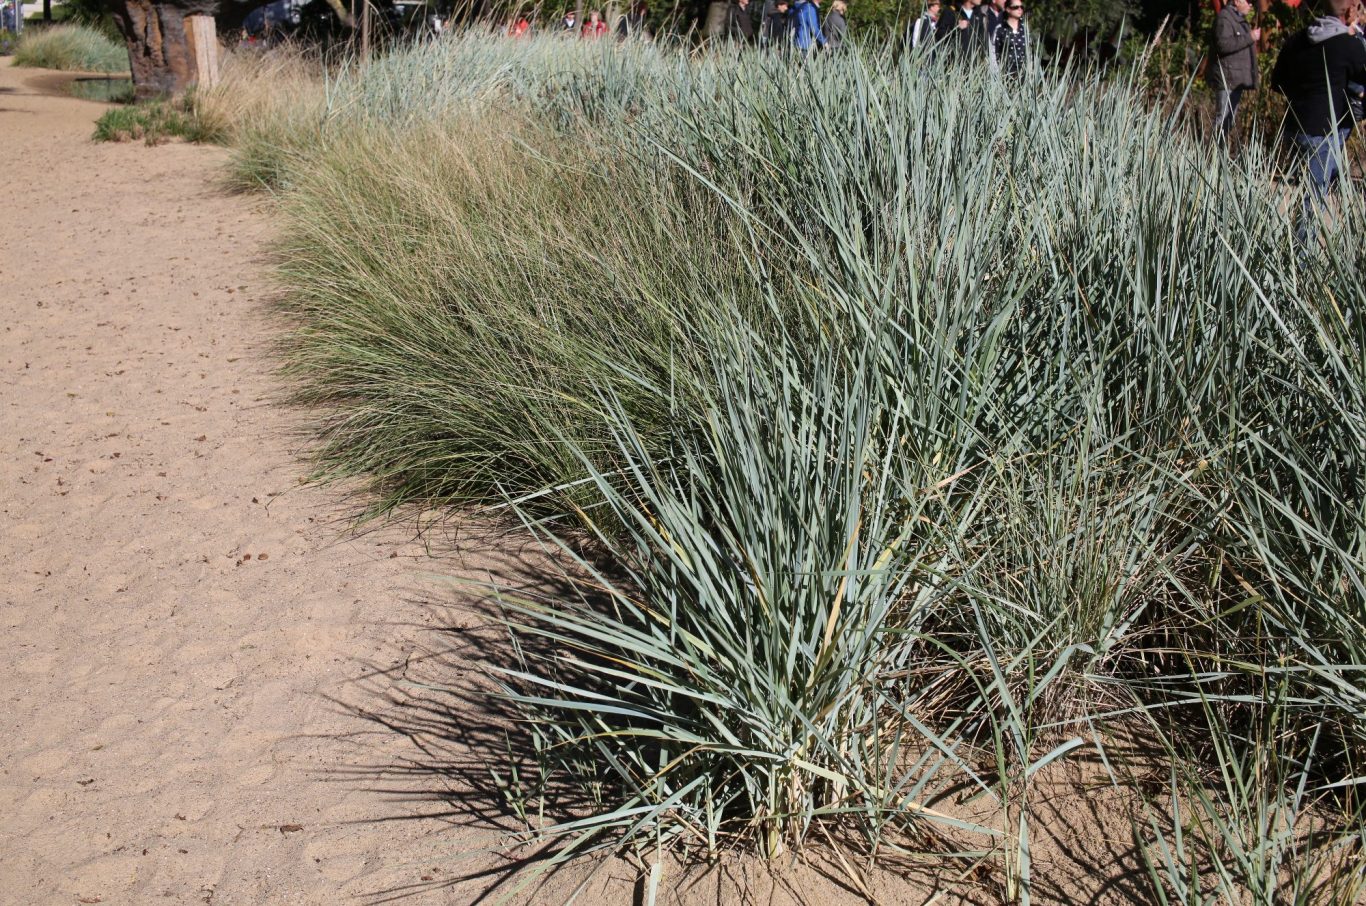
{"points": [[177, 610]]}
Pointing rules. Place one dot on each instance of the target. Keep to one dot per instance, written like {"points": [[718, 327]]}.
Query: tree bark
{"points": [[159, 52]]}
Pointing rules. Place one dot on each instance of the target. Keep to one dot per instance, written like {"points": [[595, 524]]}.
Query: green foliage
{"points": [[154, 123], [92, 13], [882, 18], [872, 477], [77, 48], [1063, 20]]}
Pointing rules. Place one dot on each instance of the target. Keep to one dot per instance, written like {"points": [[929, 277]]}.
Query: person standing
{"points": [[595, 27], [1232, 67], [1010, 42], [739, 25], [777, 29], [632, 25], [806, 27], [1313, 71], [962, 30], [570, 23], [836, 27], [993, 11], [922, 33]]}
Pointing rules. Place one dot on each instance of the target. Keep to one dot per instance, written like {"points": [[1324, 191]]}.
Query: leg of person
{"points": [[1343, 164], [1323, 154], [1234, 98], [1223, 114]]}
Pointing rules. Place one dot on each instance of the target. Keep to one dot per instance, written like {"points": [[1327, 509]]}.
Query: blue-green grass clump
{"points": [[929, 431], [74, 48]]}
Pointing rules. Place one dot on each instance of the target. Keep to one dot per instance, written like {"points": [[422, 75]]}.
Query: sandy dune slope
{"points": [[179, 613]]}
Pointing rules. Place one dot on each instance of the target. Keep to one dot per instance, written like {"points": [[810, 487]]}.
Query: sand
{"points": [[181, 616]]}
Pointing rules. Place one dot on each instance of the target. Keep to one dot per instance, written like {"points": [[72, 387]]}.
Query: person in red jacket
{"points": [[594, 27]]}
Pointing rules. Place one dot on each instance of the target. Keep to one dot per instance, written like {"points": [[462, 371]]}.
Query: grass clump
{"points": [[74, 48], [155, 123], [264, 104], [895, 483]]}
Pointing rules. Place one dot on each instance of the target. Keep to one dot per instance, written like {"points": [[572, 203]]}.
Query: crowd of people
{"points": [[631, 24], [780, 25], [995, 30], [1321, 71]]}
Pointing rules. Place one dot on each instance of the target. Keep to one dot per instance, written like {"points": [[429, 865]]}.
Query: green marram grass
{"points": [[75, 48], [926, 433]]}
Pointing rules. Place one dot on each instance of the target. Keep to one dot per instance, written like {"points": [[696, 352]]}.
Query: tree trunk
{"points": [[364, 31], [203, 34], [159, 52]]}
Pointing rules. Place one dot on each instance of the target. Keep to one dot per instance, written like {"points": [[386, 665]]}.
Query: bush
{"points": [[76, 48], [154, 123], [262, 105], [921, 438]]}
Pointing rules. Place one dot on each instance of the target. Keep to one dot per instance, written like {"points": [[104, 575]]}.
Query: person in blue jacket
{"points": [[806, 26]]}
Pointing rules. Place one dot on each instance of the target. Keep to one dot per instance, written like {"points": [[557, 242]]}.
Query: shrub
{"points": [[154, 123], [922, 438], [78, 48], [263, 100]]}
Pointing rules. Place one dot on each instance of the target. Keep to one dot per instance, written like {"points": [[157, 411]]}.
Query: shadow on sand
{"points": [[469, 762]]}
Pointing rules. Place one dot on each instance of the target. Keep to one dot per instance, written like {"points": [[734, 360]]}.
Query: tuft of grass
{"points": [[155, 123], [262, 106], [74, 48]]}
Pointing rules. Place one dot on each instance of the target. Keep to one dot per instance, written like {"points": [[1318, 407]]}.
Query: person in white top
{"points": [[922, 33]]}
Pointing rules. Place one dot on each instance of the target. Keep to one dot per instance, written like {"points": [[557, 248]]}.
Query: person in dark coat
{"points": [[836, 27], [993, 11], [1232, 67], [739, 25], [1313, 71], [777, 28], [1010, 42], [632, 25], [963, 30]]}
